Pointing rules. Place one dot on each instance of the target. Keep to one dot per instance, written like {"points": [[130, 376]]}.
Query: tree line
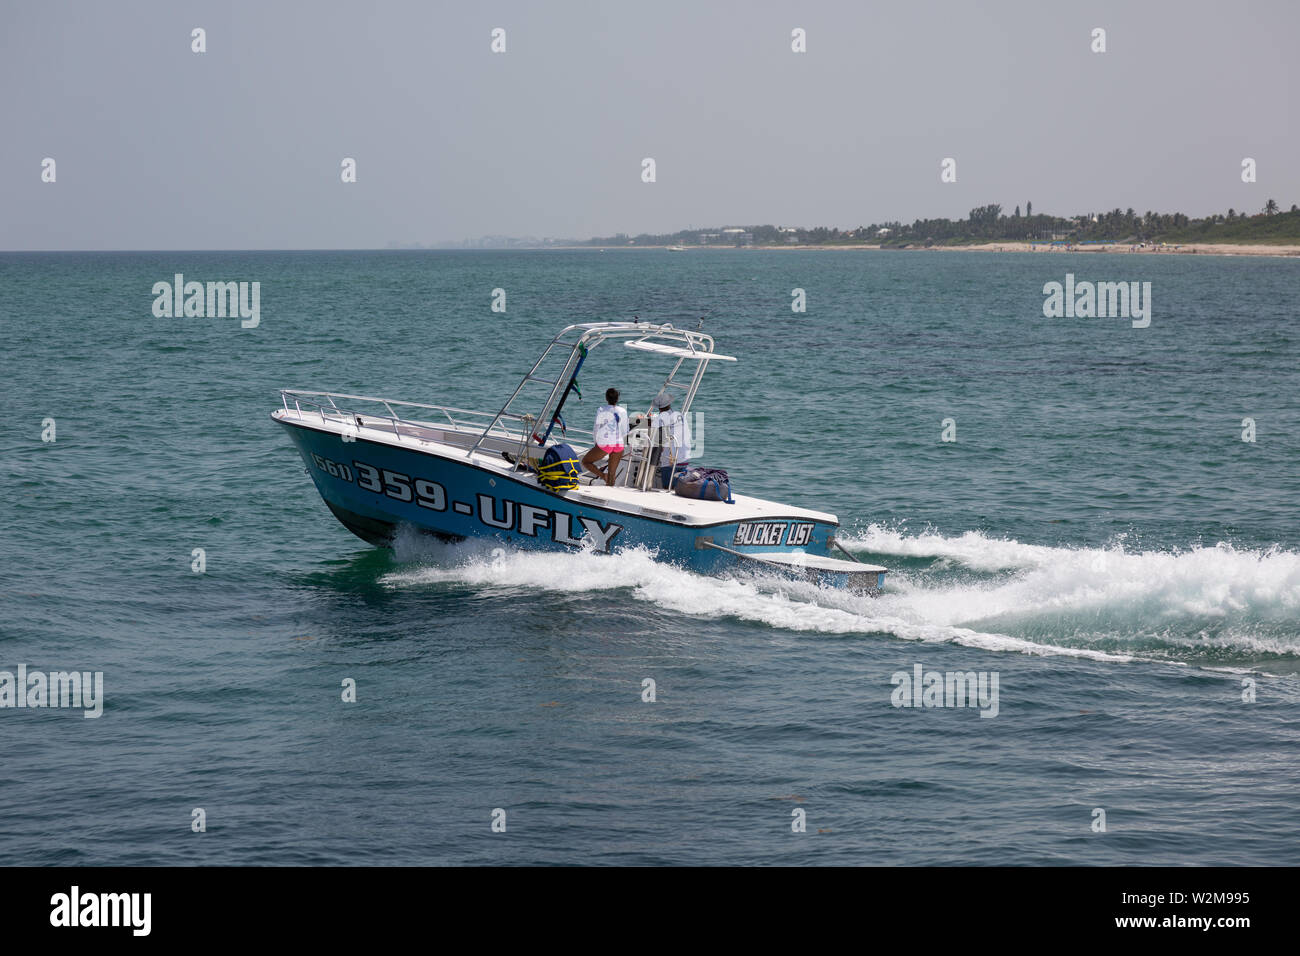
{"points": [[990, 224]]}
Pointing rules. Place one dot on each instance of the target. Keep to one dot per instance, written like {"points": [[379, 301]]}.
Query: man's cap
{"points": [[663, 400]]}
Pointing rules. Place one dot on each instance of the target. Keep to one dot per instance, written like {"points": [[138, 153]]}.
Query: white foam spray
{"points": [[1098, 603]]}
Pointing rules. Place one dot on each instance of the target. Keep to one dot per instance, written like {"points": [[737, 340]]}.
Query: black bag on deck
{"points": [[711, 484]]}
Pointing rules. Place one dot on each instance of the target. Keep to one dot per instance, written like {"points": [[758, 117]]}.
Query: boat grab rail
{"points": [[460, 419], [324, 404]]}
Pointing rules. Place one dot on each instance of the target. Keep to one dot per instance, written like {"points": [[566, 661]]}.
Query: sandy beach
{"points": [[1186, 248]]}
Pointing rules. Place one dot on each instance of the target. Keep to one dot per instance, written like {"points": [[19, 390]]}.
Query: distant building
{"points": [[882, 233]]}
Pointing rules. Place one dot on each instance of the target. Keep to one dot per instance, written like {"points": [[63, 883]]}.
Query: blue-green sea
{"points": [[1099, 536]]}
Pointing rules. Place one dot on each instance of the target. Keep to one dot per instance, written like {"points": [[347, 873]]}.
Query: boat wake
{"points": [[1215, 606], [1210, 606]]}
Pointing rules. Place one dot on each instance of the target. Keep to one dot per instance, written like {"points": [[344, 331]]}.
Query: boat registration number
{"points": [[395, 485], [527, 520]]}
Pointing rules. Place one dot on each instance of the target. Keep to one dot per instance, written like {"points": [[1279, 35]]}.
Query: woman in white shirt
{"points": [[611, 437]]}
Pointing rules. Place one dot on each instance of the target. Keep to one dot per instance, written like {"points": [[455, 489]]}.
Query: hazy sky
{"points": [[240, 147]]}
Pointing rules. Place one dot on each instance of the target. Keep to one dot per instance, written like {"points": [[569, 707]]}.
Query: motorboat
{"points": [[381, 464]]}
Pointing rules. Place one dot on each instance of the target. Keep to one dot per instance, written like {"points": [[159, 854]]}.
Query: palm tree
{"points": [[1270, 207]]}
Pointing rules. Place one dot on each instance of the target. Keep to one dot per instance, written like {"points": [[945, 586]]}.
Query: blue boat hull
{"points": [[373, 488]]}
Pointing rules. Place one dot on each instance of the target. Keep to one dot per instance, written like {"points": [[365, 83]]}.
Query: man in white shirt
{"points": [[676, 438], [611, 437]]}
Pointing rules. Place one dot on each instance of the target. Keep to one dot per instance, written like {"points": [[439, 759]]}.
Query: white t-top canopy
{"points": [[663, 348]]}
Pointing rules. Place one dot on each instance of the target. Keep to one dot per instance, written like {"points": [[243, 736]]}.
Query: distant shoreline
{"points": [[1182, 248], [1278, 250]]}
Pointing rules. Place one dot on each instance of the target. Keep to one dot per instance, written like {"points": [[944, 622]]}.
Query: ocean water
{"points": [[1098, 537]]}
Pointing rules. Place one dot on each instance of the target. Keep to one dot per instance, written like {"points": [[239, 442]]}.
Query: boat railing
{"points": [[345, 409], [396, 413]]}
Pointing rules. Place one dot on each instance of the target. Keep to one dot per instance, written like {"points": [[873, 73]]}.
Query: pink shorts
{"points": [[610, 449]]}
